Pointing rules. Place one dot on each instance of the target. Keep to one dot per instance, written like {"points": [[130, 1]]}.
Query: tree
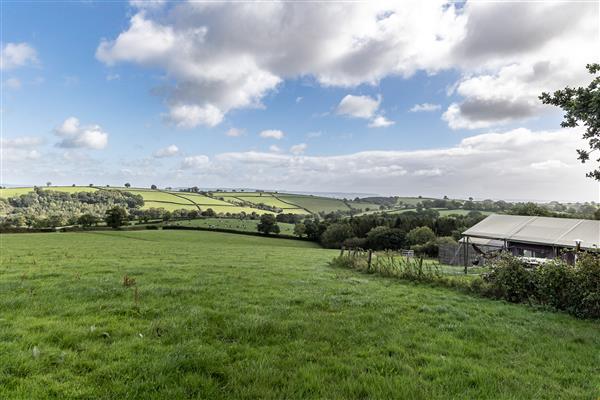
{"points": [[420, 235], [384, 238], [128, 185], [335, 235], [153, 187], [597, 214], [267, 224], [582, 106], [115, 217], [48, 183], [300, 229], [87, 220]]}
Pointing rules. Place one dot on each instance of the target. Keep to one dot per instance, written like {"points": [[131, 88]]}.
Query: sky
{"points": [[395, 98]]}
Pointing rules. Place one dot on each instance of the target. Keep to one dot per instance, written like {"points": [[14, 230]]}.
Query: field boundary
{"points": [[225, 230]]}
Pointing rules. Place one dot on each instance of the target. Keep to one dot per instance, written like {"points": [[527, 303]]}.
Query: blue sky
{"points": [[147, 92]]}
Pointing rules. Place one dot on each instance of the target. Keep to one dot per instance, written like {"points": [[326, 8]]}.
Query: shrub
{"points": [[420, 235], [510, 279], [335, 235]]}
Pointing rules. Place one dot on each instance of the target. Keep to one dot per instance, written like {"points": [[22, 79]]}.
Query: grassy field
{"points": [[12, 192], [222, 316], [246, 225], [315, 204]]}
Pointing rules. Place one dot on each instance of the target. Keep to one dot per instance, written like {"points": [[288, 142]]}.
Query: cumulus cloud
{"points": [[358, 106], [20, 148], [272, 134], [512, 52], [14, 55], [234, 132], [274, 148], [76, 136], [169, 151], [225, 56], [365, 107], [195, 162], [425, 107], [486, 165], [190, 115], [380, 122], [299, 148], [13, 83]]}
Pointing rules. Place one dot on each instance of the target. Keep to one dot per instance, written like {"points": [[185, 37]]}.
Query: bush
{"points": [[575, 289], [510, 279], [420, 235], [335, 235]]}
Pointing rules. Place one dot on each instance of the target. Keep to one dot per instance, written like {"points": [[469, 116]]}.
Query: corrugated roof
{"points": [[538, 230]]}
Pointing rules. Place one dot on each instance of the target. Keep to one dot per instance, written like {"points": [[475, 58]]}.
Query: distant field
{"points": [[225, 316], [12, 192], [315, 204], [245, 225]]}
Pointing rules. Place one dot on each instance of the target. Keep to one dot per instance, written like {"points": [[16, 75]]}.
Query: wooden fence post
{"points": [[369, 260], [466, 252]]}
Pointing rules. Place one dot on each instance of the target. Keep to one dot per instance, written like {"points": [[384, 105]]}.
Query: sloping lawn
{"points": [[222, 316]]}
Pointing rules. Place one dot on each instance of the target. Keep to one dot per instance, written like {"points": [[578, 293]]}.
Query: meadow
{"points": [[242, 225], [191, 314]]}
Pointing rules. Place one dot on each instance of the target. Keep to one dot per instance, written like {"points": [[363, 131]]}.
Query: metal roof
{"points": [[538, 230]]}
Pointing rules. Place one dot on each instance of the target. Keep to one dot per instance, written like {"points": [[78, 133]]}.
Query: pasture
{"points": [[220, 316], [245, 225]]}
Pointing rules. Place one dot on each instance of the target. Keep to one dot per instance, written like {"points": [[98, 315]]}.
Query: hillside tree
{"points": [[582, 107], [267, 224], [127, 185], [115, 217]]}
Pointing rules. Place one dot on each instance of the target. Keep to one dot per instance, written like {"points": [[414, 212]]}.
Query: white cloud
{"points": [[20, 148], [147, 4], [190, 115], [358, 106], [14, 55], [299, 148], [21, 142], [299, 99], [234, 132], [13, 83], [425, 107], [169, 151], [195, 162], [380, 122], [477, 166], [512, 52], [549, 164], [226, 55], [76, 136], [274, 148], [113, 77], [272, 134], [314, 134]]}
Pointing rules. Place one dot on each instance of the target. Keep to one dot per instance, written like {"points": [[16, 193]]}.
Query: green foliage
{"points": [[420, 235], [511, 280], [115, 217], [575, 289], [268, 224], [300, 229], [581, 106], [384, 238], [52, 208], [335, 235]]}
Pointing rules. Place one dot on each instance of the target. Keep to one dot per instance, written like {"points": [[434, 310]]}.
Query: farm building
{"points": [[535, 238]]}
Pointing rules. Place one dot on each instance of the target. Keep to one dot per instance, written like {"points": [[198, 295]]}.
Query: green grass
{"points": [[315, 204], [12, 192], [232, 316], [246, 225]]}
